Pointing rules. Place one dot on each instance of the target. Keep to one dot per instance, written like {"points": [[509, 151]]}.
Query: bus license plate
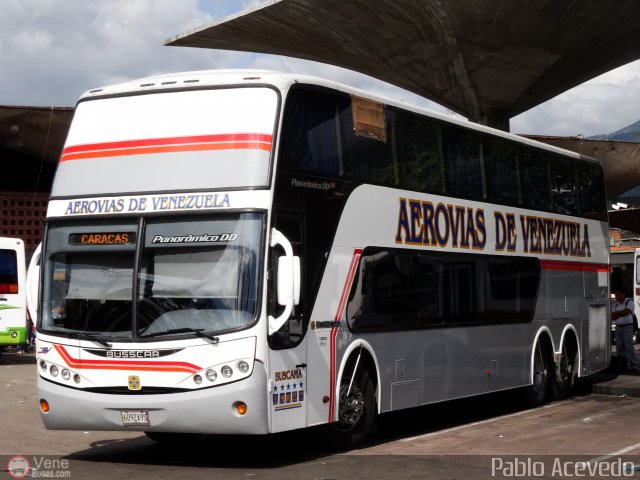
{"points": [[134, 417]]}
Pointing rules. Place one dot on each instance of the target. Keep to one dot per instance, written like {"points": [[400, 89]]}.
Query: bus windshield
{"points": [[192, 276], [8, 271]]}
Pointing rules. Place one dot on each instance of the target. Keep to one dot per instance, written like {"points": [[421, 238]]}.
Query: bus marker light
{"points": [[211, 375], [243, 366], [241, 408], [44, 405], [197, 379]]}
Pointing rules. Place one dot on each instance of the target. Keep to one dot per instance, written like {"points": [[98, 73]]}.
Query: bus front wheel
{"points": [[356, 411]]}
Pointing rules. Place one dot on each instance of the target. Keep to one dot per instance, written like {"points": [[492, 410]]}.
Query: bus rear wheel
{"points": [[356, 411], [566, 372], [538, 392]]}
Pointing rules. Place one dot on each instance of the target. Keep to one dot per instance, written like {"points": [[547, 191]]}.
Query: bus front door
{"points": [[288, 351]]}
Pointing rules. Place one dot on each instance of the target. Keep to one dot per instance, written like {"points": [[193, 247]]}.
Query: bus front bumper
{"points": [[210, 410]]}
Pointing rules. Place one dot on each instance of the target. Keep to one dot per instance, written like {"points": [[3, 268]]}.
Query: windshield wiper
{"points": [[90, 336], [198, 331]]}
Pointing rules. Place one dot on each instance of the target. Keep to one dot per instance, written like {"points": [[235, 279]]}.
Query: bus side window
{"points": [[310, 134], [563, 185], [534, 180]]}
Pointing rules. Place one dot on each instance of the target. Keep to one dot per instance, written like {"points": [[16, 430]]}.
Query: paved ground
{"points": [[455, 440]]}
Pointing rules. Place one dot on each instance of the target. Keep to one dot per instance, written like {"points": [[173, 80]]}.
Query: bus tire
{"points": [[537, 393], [356, 412], [564, 376], [173, 438]]}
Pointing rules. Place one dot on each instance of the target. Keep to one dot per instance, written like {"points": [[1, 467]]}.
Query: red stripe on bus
{"points": [[573, 266], [253, 141], [161, 366], [353, 267]]}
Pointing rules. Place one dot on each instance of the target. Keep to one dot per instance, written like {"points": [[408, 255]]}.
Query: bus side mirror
{"points": [[287, 283], [288, 287]]}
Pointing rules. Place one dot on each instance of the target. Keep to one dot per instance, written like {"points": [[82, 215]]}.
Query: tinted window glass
{"points": [[593, 202], [311, 133], [534, 180], [419, 151], [462, 150], [401, 289], [502, 169], [563, 185]]}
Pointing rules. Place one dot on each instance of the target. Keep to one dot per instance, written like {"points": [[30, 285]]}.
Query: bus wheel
{"points": [[173, 437], [537, 393], [356, 411], [565, 373]]}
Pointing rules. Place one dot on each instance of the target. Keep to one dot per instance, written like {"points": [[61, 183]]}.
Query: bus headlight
{"points": [[197, 379], [211, 375], [53, 371], [76, 378], [66, 374], [243, 367], [43, 365], [226, 371]]}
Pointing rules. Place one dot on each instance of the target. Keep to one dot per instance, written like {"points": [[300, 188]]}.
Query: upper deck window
{"points": [[429, 155]]}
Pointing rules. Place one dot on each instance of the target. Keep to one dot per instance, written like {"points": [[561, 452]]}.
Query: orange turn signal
{"points": [[241, 408], [44, 405]]}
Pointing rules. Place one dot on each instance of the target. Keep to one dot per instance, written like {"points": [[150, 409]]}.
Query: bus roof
{"points": [[282, 81]]}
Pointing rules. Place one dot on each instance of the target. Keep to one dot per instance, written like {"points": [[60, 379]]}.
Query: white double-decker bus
{"points": [[253, 252]]}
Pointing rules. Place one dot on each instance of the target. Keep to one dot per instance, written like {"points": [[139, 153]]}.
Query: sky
{"points": [[51, 51]]}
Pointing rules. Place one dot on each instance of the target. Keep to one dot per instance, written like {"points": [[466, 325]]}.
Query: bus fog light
{"points": [[241, 408], [43, 365], [197, 379], [211, 375], [226, 371], [53, 370], [243, 366], [44, 405], [66, 374], [76, 378]]}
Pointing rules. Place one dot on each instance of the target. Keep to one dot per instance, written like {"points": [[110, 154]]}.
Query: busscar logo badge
{"points": [[134, 382]]}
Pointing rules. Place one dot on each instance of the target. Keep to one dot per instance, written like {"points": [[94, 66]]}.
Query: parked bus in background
{"points": [[13, 303], [33, 283], [253, 252]]}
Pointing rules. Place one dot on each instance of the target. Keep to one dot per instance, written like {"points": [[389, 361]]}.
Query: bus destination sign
{"points": [[102, 238]]}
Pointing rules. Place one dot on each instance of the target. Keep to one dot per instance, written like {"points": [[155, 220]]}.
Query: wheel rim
{"points": [[351, 405], [540, 371], [566, 368]]}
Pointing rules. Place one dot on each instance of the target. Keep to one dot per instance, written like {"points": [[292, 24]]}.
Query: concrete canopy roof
{"points": [[39, 132], [488, 60], [620, 160]]}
